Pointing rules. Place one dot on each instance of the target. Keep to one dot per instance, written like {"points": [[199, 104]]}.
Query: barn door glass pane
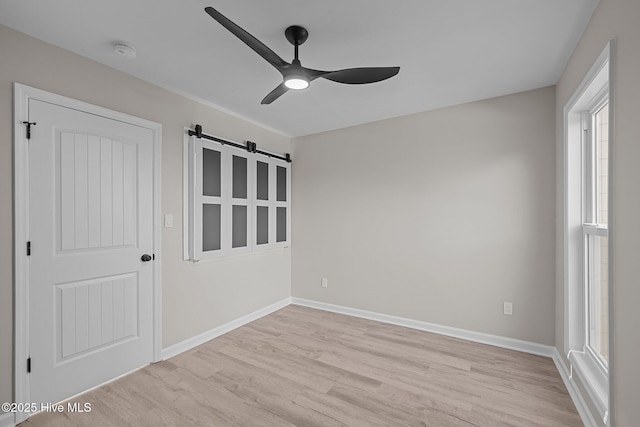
{"points": [[262, 180], [239, 177], [281, 184], [211, 227], [262, 225], [211, 172], [239, 226], [281, 224]]}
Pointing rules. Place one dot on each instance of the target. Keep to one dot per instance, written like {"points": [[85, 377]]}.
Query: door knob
{"points": [[145, 258]]}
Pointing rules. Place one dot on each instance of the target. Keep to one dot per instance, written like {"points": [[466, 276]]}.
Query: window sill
{"points": [[593, 379]]}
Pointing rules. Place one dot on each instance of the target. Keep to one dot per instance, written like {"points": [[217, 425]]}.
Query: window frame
{"points": [[193, 200], [579, 223]]}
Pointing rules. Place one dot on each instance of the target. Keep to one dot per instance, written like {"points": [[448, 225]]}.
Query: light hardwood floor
{"points": [[306, 367]]}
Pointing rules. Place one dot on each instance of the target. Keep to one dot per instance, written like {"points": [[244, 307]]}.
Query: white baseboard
{"points": [[574, 391], [7, 420], [192, 342], [495, 340]]}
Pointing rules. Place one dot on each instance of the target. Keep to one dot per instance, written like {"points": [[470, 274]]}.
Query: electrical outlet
{"points": [[508, 308], [324, 282]]}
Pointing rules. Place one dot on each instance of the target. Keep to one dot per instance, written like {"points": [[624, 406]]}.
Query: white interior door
{"points": [[90, 221]]}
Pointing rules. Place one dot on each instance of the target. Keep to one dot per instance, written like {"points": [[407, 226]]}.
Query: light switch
{"points": [[168, 221]]}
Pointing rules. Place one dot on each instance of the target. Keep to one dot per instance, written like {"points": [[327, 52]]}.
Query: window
{"points": [[236, 201], [596, 233], [586, 233]]}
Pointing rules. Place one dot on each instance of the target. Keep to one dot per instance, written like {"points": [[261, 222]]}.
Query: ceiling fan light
{"points": [[296, 82]]}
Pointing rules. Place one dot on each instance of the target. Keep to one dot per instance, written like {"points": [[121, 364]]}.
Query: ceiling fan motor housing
{"points": [[296, 35]]}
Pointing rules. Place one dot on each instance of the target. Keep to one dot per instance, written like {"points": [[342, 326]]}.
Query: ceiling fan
{"points": [[294, 75]]}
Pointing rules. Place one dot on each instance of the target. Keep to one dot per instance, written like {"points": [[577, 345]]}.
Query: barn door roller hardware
{"points": [[250, 146]]}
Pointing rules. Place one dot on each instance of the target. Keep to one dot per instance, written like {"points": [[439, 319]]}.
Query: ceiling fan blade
{"points": [[255, 44], [358, 76], [275, 94]]}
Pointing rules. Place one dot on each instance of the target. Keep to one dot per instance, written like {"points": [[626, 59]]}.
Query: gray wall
{"points": [[461, 201], [613, 19], [196, 297], [439, 216]]}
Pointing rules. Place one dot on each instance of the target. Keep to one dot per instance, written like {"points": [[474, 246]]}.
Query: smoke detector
{"points": [[124, 49]]}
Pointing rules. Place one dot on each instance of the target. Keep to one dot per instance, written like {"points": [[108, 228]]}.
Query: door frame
{"points": [[21, 96]]}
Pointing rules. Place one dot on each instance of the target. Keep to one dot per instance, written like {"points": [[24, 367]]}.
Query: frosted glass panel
{"points": [[262, 225], [281, 224], [281, 183], [239, 177], [262, 181], [210, 172], [239, 226], [210, 227]]}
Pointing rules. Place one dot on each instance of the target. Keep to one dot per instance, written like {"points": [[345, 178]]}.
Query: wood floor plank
{"points": [[305, 367]]}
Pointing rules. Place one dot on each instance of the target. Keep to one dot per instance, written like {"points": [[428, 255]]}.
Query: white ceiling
{"points": [[449, 51]]}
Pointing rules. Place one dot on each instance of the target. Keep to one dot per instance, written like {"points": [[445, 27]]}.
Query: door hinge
{"points": [[29, 248], [29, 365], [28, 124]]}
